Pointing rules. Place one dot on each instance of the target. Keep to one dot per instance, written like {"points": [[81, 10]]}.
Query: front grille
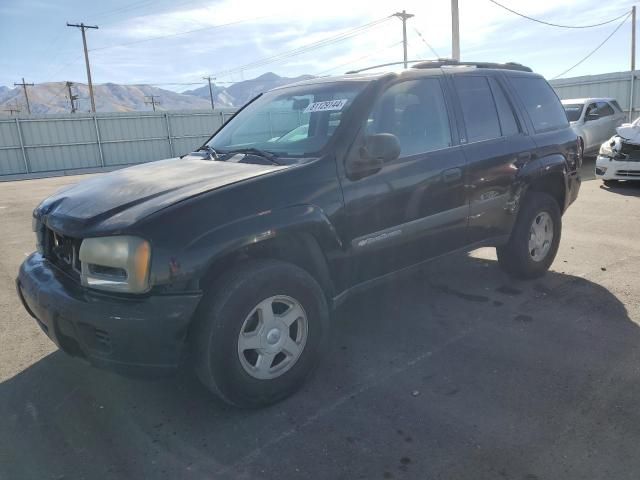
{"points": [[63, 252], [632, 152], [628, 173]]}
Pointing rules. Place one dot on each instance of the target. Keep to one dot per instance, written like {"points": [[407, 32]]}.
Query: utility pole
{"points": [[404, 16], [633, 61], [72, 97], [455, 30], [26, 96], [210, 90], [15, 109], [152, 101], [83, 27], [633, 38]]}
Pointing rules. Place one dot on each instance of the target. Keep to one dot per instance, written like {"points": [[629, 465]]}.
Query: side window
{"points": [[416, 113], [541, 102], [592, 109], [604, 109], [616, 106], [478, 108], [508, 122]]}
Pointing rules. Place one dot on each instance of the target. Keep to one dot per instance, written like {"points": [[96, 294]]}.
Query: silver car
{"points": [[594, 120]]}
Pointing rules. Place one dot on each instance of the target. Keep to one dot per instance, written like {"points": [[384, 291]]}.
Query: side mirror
{"points": [[377, 150], [382, 146]]}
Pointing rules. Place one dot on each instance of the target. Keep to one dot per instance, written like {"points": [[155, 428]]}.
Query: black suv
{"points": [[232, 257]]}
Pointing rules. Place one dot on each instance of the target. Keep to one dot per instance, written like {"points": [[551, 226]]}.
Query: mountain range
{"points": [[53, 97]]}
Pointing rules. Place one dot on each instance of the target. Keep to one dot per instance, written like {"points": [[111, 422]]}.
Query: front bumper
{"points": [[610, 169], [131, 335]]}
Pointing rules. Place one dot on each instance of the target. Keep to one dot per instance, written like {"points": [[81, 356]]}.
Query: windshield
{"points": [[293, 122], [573, 111]]}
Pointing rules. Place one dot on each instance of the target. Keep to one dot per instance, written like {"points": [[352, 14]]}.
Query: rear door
{"points": [[495, 146], [608, 114]]}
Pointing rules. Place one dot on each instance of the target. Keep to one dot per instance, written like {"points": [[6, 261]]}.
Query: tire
{"points": [[610, 183], [226, 316], [516, 258]]}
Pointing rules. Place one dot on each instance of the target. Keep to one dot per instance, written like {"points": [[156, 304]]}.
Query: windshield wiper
{"points": [[212, 153], [266, 154]]}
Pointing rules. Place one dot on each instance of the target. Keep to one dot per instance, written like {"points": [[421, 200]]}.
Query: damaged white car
{"points": [[619, 157]]}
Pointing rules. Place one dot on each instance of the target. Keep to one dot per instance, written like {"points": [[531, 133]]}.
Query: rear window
{"points": [[478, 109], [616, 105], [541, 103]]}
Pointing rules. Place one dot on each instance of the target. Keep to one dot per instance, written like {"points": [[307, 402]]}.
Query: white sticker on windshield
{"points": [[327, 106]]}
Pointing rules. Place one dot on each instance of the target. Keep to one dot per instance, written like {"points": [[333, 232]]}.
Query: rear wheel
{"points": [[535, 238], [260, 333]]}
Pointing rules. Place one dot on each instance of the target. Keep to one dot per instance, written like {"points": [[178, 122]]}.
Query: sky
{"points": [[229, 39]]}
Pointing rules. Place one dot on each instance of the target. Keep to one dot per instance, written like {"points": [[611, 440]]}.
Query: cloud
{"points": [[269, 28]]}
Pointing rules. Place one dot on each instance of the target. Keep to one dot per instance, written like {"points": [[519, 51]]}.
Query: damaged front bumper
{"points": [[142, 335], [618, 159], [612, 169]]}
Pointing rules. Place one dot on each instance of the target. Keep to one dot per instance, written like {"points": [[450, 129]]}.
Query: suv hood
{"points": [[118, 199]]}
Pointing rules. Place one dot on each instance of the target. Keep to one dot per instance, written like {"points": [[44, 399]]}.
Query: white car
{"points": [[619, 157], [594, 120]]}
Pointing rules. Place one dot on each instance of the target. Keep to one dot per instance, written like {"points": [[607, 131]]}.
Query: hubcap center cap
{"points": [[273, 336]]}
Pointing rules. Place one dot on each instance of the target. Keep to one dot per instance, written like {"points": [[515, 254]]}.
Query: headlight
{"points": [[36, 227], [119, 264]]}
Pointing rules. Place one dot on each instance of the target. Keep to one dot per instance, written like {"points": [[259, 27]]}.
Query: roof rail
{"points": [[447, 62], [384, 65]]}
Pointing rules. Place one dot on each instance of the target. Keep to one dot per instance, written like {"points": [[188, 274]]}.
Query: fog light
{"points": [[601, 170]]}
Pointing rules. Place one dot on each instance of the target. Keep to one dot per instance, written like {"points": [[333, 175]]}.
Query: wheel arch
{"points": [[547, 175], [301, 235], [552, 183]]}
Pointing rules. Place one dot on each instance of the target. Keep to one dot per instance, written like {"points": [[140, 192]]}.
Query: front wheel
{"points": [[260, 333], [535, 238], [610, 183]]}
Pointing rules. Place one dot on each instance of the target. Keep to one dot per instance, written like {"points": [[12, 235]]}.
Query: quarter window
{"points": [[478, 108], [604, 109], [541, 103], [416, 113]]}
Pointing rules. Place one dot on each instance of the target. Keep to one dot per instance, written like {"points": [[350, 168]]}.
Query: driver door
{"points": [[414, 207]]}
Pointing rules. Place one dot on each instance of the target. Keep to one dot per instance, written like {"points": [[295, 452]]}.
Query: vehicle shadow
{"points": [[454, 372], [626, 188]]}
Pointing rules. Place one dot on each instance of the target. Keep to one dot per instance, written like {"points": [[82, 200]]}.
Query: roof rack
{"points": [[448, 62]]}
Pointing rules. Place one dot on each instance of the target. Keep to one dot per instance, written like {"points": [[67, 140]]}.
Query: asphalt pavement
{"points": [[456, 372]]}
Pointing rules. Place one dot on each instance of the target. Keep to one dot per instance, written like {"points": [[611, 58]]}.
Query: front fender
{"points": [[223, 240]]}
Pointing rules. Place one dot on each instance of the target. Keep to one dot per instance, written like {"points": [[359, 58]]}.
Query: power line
{"points": [[556, 24], [305, 48], [595, 49], [170, 35], [427, 43], [354, 60]]}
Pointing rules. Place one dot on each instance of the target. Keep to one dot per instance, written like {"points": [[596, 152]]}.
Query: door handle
{"points": [[452, 175]]}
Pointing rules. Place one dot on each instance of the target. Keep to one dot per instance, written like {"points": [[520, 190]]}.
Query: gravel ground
{"points": [[455, 372]]}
